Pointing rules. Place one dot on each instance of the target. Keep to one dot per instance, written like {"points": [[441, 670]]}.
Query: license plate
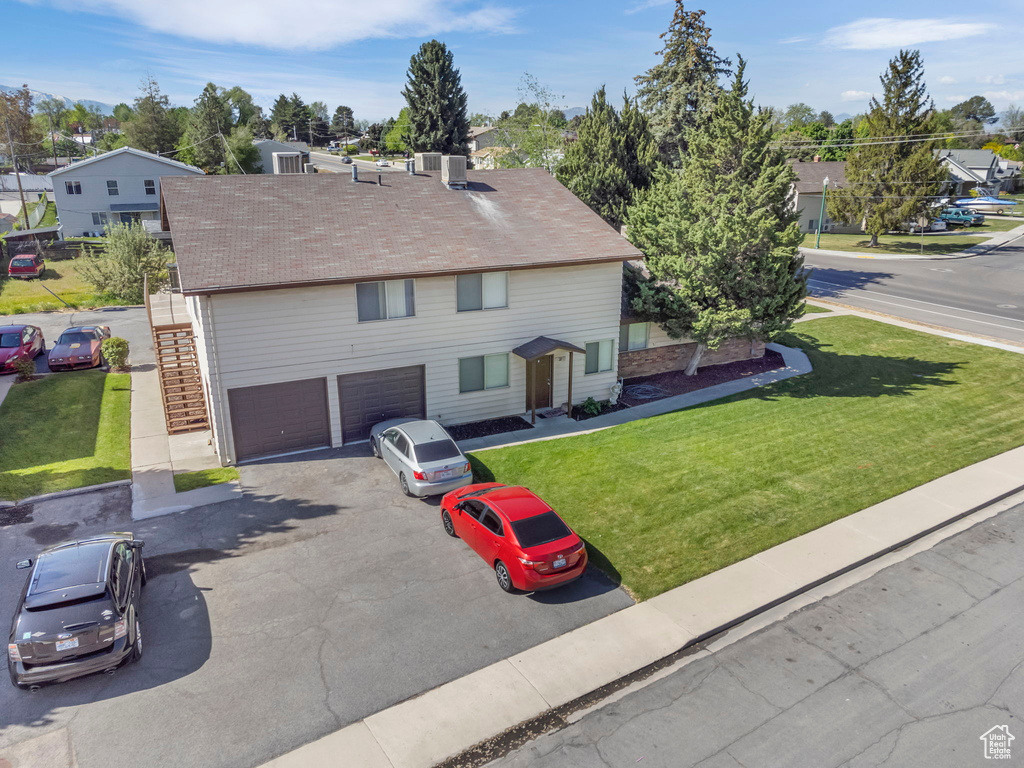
{"points": [[446, 474], [67, 645], [559, 563]]}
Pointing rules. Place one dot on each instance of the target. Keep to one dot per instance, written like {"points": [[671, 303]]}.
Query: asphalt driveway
{"points": [[320, 597]]}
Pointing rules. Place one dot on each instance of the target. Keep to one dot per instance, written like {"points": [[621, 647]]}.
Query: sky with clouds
{"points": [[828, 55]]}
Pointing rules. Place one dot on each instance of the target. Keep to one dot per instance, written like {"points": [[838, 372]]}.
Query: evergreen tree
{"points": [[153, 128], [889, 184], [342, 123], [681, 88], [210, 117], [720, 237], [438, 121], [612, 157]]}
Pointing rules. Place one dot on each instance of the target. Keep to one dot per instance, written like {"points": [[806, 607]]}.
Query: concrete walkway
{"points": [[430, 728], [156, 456], [5, 386], [562, 426], [997, 240]]}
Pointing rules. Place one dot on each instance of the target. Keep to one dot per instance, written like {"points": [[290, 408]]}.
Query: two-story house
{"points": [[322, 304], [978, 169], [112, 188]]}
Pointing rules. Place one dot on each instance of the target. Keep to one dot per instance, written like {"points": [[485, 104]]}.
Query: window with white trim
{"points": [[633, 336], [385, 300], [73, 187], [112, 189], [150, 185], [99, 219], [487, 290], [483, 372], [599, 356]]}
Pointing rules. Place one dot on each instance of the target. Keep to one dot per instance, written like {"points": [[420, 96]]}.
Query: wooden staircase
{"points": [[181, 385]]}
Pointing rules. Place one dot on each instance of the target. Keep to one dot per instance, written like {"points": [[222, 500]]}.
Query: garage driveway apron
{"points": [[319, 597]]}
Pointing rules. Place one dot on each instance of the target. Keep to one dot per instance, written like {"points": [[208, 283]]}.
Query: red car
{"points": [[516, 533], [26, 266], [19, 342], [79, 347]]}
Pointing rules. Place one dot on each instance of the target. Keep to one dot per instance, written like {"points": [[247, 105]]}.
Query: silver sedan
{"points": [[422, 454]]}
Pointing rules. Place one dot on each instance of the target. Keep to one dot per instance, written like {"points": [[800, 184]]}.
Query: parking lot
{"points": [[321, 596]]}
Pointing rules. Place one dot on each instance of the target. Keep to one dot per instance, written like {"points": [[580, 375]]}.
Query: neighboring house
{"points": [[980, 169], [115, 187], [808, 190], [485, 159], [407, 299], [481, 137], [267, 148]]}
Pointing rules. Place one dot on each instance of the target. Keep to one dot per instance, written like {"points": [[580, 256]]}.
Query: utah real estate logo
{"points": [[997, 742]]}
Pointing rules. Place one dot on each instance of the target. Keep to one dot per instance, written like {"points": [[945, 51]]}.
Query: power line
{"points": [[228, 148], [868, 143]]}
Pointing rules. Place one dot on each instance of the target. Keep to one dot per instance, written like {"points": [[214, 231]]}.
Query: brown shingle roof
{"points": [[256, 232], [811, 176]]}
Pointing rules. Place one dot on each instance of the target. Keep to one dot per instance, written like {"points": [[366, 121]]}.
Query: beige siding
{"points": [[282, 335]]}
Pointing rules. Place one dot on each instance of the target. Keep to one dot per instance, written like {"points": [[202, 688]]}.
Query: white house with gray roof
{"points": [[112, 188]]}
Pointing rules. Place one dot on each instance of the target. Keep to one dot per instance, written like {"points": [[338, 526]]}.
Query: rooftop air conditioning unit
{"points": [[453, 171], [287, 162], [428, 161]]}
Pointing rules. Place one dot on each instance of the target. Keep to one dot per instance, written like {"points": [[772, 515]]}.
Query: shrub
{"points": [[591, 407], [115, 352], [351, 149], [131, 256], [26, 369]]}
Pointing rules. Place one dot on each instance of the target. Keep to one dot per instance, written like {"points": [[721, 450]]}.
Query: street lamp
{"points": [[824, 194]]}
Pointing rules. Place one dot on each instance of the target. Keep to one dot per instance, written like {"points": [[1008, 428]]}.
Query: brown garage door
{"points": [[367, 398], [277, 418]]}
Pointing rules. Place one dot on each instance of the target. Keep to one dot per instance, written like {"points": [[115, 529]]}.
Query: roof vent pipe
{"points": [[379, 184], [410, 166], [355, 172]]}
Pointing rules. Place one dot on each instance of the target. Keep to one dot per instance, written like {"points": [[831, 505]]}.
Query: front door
{"points": [[542, 371]]}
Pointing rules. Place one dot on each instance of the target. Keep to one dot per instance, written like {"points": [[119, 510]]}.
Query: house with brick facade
{"points": [[323, 304]]}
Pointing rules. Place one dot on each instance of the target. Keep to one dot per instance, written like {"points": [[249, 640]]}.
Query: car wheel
{"points": [[375, 449], [504, 577], [405, 485], [137, 648], [449, 526]]}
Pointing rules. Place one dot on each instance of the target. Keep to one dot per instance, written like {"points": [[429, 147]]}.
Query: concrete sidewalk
{"points": [[430, 728], [156, 456], [997, 240], [562, 426]]}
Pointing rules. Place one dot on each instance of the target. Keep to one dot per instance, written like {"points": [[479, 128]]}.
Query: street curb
{"points": [[501, 744], [984, 248], [63, 494]]}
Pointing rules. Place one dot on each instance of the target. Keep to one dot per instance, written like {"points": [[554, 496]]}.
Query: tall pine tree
{"points": [[681, 89], [612, 157], [720, 237], [438, 121], [210, 117], [890, 181], [153, 127]]}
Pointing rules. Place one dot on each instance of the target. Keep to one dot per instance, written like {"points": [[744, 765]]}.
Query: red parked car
{"points": [[516, 533], [19, 342], [79, 347], [26, 266]]}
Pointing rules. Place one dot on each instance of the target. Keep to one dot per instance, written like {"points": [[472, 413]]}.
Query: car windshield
{"points": [[21, 262], [541, 529], [10, 340], [76, 337], [438, 450]]}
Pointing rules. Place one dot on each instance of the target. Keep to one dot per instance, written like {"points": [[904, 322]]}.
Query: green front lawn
{"points": [[61, 277], [934, 245], [189, 481], [65, 430], [665, 500], [812, 309]]}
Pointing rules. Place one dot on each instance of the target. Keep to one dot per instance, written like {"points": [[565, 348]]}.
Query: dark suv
{"points": [[79, 611]]}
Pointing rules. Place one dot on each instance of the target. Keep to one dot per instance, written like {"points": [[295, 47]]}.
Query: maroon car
{"points": [[19, 342], [26, 266], [79, 347]]}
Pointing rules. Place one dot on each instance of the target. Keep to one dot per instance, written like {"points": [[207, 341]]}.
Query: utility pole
{"points": [[17, 176], [824, 194], [53, 144], [310, 131]]}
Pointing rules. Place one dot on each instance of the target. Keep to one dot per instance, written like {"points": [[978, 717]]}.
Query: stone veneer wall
{"points": [[674, 357]]}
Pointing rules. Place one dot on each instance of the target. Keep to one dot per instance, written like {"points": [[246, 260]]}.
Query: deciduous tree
{"points": [[129, 257], [153, 128]]}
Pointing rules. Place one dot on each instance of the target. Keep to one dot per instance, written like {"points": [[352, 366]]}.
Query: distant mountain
{"points": [[574, 111], [38, 96], [842, 116]]}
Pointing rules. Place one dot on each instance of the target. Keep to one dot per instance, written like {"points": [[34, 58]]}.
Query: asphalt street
{"points": [[983, 295], [908, 669]]}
